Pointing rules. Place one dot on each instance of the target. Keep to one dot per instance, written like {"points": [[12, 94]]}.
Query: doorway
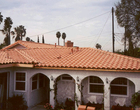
{"points": [[3, 89]]}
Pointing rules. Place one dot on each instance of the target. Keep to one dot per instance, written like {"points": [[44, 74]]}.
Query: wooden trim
{"points": [[111, 70], [20, 81], [25, 65], [17, 65], [60, 68]]}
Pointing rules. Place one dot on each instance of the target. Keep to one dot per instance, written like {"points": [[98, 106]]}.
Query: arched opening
{"points": [[121, 91], [65, 89], [93, 88], [40, 89]]}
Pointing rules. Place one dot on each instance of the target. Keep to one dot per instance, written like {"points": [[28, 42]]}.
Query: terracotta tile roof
{"points": [[28, 44], [89, 58]]}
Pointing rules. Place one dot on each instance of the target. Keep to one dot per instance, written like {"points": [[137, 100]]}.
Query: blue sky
{"points": [[46, 17]]}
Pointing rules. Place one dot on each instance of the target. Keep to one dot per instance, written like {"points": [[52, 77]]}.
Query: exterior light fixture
{"points": [[51, 78], [77, 79], [107, 80]]}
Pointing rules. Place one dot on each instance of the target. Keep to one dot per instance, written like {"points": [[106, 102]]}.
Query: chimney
{"points": [[77, 48], [69, 44], [55, 44]]}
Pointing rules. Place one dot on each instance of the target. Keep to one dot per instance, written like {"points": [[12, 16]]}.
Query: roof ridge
{"points": [[26, 43], [39, 43], [25, 55]]}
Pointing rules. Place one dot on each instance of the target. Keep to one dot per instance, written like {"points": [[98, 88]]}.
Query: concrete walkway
{"points": [[38, 107]]}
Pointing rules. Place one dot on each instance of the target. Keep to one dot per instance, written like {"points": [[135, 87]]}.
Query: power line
{"points": [[118, 27], [107, 42], [95, 35], [70, 25], [119, 37], [118, 41], [102, 28]]}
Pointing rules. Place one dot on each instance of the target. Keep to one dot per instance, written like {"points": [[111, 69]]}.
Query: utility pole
{"points": [[113, 38]]}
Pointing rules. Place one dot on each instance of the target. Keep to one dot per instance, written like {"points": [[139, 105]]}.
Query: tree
{"points": [[6, 30], [64, 37], [58, 34], [38, 39], [98, 46], [28, 39], [128, 16], [43, 40], [19, 32], [1, 18]]}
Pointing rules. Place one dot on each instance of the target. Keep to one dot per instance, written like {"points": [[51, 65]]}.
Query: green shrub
{"points": [[17, 102], [136, 99]]}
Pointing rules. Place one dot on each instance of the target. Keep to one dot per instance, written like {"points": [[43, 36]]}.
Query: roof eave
{"points": [[88, 69], [17, 65]]}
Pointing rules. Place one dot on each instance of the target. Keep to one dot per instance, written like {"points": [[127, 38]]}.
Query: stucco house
{"points": [[31, 69]]}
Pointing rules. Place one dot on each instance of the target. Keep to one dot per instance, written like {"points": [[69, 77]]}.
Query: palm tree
{"points": [[6, 29], [1, 18], [38, 39], [64, 37], [20, 32], [58, 34], [28, 39], [43, 40]]}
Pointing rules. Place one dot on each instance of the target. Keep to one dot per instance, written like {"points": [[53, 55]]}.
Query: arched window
{"points": [[95, 85], [38, 81], [119, 86]]}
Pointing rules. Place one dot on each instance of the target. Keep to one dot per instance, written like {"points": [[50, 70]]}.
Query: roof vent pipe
{"points": [[72, 50], [55, 44]]}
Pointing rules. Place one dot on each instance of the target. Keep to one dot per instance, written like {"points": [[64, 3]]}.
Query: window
{"points": [[119, 86], [95, 85], [38, 81], [20, 81], [34, 82], [66, 77], [41, 80]]}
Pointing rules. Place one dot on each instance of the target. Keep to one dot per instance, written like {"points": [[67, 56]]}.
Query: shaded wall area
{"points": [[40, 94]]}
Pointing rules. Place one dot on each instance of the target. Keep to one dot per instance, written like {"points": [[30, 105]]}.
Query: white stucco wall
{"points": [[30, 98]]}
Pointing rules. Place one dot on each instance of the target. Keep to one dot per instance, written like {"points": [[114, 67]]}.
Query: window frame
{"points": [[34, 81], [94, 84], [121, 86], [20, 81], [66, 79], [38, 80]]}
